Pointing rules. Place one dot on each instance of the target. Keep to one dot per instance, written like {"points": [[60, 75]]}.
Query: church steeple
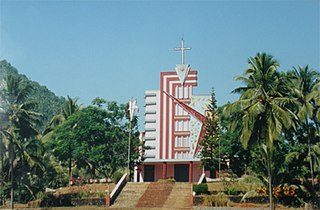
{"points": [[182, 49], [182, 69]]}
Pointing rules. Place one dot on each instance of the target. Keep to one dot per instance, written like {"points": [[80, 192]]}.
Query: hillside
{"points": [[48, 103]]}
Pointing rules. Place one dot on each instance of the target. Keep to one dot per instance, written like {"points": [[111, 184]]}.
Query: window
{"points": [[182, 125], [181, 141]]}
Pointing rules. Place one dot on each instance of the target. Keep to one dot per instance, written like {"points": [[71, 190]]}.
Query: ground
{"points": [[84, 188]]}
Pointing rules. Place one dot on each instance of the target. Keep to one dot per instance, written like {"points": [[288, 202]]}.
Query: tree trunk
{"points": [[12, 178], [70, 164], [309, 153], [310, 162], [269, 179]]}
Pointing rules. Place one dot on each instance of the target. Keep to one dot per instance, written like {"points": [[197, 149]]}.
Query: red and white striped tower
{"points": [[174, 122]]}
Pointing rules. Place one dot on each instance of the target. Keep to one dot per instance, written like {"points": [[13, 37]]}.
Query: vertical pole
{"points": [[129, 148], [219, 160], [182, 49]]}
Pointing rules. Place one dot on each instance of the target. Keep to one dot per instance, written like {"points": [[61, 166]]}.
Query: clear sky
{"points": [[117, 49]]}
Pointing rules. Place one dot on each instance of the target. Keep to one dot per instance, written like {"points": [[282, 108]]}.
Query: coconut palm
{"points": [[19, 117], [305, 86], [262, 107], [70, 107]]}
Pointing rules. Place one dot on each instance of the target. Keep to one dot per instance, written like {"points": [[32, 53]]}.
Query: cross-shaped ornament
{"points": [[182, 49]]}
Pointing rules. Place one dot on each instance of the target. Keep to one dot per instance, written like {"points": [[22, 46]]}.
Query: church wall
{"points": [[152, 121], [158, 172], [197, 172], [170, 171], [173, 125]]}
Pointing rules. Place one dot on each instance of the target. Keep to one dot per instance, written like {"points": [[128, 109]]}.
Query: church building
{"points": [[174, 125]]}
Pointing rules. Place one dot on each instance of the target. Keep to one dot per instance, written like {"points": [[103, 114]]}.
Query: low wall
{"points": [[117, 189], [200, 199], [88, 202], [225, 208]]}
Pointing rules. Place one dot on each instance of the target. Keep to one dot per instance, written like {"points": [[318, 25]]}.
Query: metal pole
{"points": [[182, 49], [129, 144]]}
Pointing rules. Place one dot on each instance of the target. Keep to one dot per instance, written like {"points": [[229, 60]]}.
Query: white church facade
{"points": [[174, 125]]}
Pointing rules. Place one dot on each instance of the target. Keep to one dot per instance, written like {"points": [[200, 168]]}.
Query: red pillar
{"points": [[190, 171], [164, 170], [108, 200]]}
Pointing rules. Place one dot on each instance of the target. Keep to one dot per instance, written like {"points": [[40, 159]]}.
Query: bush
{"points": [[219, 200], [50, 200], [200, 188], [167, 180], [117, 176], [232, 191]]}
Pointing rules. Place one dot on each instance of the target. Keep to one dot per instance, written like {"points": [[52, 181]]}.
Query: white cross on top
{"points": [[182, 49]]}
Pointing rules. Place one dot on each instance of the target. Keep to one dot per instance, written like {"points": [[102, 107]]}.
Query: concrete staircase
{"points": [[155, 195], [180, 196], [130, 195]]}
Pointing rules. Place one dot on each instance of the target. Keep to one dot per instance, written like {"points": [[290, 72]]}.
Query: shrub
{"points": [[117, 176], [167, 180], [232, 191], [219, 200], [200, 188]]}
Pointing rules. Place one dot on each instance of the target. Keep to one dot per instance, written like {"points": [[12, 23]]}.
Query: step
{"points": [[130, 195], [180, 196], [156, 195]]}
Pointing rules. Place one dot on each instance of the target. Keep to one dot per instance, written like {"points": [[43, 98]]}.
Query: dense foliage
{"points": [[92, 139], [48, 104], [277, 117], [46, 140], [271, 132], [210, 144]]}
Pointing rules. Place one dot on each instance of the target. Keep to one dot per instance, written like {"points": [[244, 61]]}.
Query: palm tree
{"points": [[70, 107], [20, 119], [305, 84], [263, 107]]}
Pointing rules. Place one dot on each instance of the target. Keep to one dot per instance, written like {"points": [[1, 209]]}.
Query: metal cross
{"points": [[182, 49]]}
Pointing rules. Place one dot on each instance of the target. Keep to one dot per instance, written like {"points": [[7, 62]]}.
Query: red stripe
{"points": [[165, 112], [167, 119], [161, 113], [173, 120]]}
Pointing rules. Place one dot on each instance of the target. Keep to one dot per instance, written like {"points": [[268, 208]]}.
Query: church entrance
{"points": [[181, 172], [149, 173]]}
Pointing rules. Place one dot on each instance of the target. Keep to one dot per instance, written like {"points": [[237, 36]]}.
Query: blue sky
{"points": [[116, 50]]}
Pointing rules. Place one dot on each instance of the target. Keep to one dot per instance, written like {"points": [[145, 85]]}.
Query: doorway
{"points": [[181, 172]]}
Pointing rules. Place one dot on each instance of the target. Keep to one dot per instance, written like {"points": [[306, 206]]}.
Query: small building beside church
{"points": [[174, 125]]}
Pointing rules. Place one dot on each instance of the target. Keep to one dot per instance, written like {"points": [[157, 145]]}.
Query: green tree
{"points": [[230, 145], [20, 120], [210, 141], [264, 111], [304, 85], [48, 104], [92, 139], [69, 107]]}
